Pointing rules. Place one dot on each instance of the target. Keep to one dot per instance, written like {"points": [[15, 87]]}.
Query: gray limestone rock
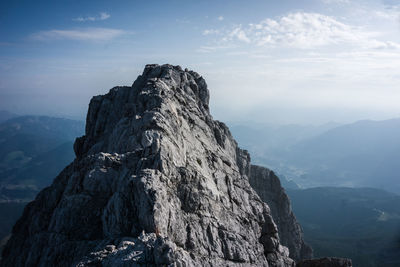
{"points": [[156, 181], [269, 188]]}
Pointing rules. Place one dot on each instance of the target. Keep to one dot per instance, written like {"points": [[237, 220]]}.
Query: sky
{"points": [[286, 61]]}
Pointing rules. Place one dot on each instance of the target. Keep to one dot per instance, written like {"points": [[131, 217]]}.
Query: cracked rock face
{"points": [[269, 188], [156, 181]]}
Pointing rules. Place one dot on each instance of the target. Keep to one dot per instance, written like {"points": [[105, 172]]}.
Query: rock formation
{"points": [[269, 188], [156, 181]]}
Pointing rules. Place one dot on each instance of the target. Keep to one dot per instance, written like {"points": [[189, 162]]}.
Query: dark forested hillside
{"points": [[362, 224], [33, 149]]}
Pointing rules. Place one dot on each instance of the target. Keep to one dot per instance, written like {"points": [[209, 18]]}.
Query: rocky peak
{"points": [[110, 116], [156, 181]]}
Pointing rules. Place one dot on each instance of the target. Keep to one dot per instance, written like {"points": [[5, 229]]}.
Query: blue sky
{"points": [[287, 61]]}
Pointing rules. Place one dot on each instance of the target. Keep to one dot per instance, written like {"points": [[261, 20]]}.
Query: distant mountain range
{"points": [[358, 223], [361, 154], [269, 139], [6, 115], [33, 149]]}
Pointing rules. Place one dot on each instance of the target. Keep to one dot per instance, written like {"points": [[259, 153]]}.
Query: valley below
{"points": [[343, 183], [358, 223]]}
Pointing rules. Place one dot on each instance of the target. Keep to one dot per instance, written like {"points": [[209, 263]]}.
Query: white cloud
{"points": [[239, 34], [389, 14], [336, 1], [391, 3], [209, 49], [87, 34], [220, 18], [210, 32], [303, 30], [375, 44], [101, 16]]}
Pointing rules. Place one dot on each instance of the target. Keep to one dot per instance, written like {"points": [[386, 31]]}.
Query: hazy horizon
{"points": [[300, 62], [308, 169]]}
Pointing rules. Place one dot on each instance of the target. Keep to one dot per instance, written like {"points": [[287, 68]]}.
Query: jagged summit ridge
{"points": [[156, 181], [141, 102]]}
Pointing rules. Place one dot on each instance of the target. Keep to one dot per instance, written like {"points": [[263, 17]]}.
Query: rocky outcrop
{"points": [[156, 181], [269, 188], [326, 262]]}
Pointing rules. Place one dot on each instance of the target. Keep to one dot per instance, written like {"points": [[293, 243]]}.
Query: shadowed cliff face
{"points": [[269, 188], [155, 181]]}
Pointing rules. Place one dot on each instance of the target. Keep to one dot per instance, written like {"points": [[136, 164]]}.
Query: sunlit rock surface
{"points": [[156, 181]]}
